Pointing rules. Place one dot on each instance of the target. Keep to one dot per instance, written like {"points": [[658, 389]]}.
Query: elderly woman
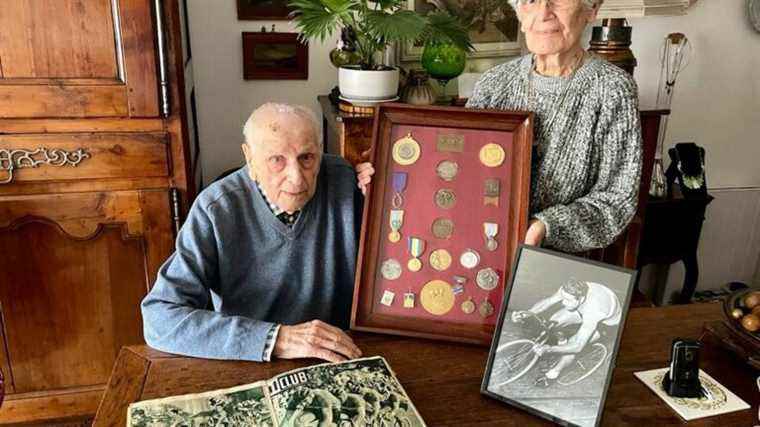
{"points": [[587, 154]]}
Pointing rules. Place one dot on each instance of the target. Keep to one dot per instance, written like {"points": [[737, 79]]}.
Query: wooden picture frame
{"points": [[442, 133], [274, 56], [263, 10], [554, 317]]}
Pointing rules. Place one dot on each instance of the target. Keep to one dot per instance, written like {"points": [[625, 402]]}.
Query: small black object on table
{"points": [[671, 231]]}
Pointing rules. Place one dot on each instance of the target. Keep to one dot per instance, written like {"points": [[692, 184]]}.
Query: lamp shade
{"points": [[641, 8]]}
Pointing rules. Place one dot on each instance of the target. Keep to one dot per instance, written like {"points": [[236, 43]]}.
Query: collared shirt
{"points": [[284, 217]]}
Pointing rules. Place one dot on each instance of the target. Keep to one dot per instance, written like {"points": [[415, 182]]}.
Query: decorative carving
{"points": [[20, 158]]}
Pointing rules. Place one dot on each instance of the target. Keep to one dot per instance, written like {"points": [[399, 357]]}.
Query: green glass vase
{"points": [[443, 61]]}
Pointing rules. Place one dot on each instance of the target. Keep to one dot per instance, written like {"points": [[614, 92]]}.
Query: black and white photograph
{"points": [[558, 336]]}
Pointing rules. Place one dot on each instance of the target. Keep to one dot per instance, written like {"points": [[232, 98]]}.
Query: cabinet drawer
{"points": [[39, 158]]}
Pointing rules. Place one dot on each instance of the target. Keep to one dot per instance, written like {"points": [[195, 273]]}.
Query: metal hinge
{"points": [[174, 192]]}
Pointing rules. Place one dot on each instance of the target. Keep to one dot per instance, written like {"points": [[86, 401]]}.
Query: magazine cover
{"points": [[362, 392]]}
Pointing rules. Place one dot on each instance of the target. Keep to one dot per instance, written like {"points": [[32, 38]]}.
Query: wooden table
{"points": [[443, 380]]}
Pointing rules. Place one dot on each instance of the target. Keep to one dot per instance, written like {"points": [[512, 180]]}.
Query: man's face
{"points": [[570, 302], [284, 159]]}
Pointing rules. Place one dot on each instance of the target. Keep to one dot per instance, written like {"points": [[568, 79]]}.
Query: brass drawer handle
{"points": [[18, 159]]}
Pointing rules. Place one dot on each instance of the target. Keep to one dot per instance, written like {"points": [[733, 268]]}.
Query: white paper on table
{"points": [[722, 401]]}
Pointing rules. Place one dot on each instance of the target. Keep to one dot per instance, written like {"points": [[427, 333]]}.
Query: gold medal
{"points": [[436, 297], [406, 150], [394, 236], [492, 155], [468, 307], [416, 248], [440, 259], [443, 228], [396, 220]]}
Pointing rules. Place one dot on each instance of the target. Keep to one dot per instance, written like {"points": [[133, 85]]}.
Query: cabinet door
{"points": [[75, 267], [77, 58]]}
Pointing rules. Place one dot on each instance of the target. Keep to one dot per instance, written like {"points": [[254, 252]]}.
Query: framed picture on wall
{"points": [[558, 334], [494, 28], [443, 218], [263, 10], [274, 56]]}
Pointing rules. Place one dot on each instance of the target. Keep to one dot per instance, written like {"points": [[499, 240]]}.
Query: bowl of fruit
{"points": [[742, 310]]}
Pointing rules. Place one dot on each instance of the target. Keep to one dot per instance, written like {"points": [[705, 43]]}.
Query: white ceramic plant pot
{"points": [[367, 85]]}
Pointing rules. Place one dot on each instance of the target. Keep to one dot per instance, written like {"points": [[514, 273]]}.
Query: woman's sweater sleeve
{"points": [[597, 218]]}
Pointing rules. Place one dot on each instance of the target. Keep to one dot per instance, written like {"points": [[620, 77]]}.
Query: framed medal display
{"points": [[445, 213]]}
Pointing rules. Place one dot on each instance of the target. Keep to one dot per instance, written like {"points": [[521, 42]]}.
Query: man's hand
{"points": [[314, 339], [519, 316], [536, 233]]}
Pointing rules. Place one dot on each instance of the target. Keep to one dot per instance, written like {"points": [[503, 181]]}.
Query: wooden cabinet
{"points": [[93, 176]]}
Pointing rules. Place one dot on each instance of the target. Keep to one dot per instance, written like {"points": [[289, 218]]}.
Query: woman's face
{"points": [[553, 26]]}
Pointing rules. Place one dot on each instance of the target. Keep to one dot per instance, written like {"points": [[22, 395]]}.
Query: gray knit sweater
{"points": [[238, 269], [587, 164]]}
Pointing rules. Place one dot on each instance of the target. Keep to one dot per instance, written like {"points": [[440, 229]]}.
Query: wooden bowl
{"points": [[735, 300]]}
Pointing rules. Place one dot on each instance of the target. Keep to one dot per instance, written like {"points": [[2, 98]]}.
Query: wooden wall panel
{"points": [[109, 156], [4, 363], [139, 41], [89, 292], [57, 39]]}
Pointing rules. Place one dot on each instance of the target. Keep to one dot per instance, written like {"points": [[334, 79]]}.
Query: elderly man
{"points": [[264, 264]]}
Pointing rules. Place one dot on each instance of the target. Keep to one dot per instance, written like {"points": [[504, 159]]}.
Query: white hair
{"points": [[588, 3], [300, 111]]}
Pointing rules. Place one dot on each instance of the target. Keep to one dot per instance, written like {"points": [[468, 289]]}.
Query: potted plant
{"points": [[373, 26]]}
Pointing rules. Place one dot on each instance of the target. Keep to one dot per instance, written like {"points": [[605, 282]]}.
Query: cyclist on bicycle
{"points": [[591, 305]]}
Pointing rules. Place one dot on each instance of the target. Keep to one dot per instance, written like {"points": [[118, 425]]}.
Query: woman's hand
{"points": [[364, 172], [536, 233], [314, 339]]}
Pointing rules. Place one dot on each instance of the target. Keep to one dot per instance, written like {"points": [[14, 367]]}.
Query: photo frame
{"points": [[558, 335], [267, 10], [274, 56], [439, 271], [494, 31]]}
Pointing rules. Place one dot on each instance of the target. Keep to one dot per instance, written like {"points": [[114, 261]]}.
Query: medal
{"points": [[436, 297], [391, 269], [492, 155], [409, 300], [399, 185], [447, 170], [491, 192], [445, 198], [440, 259], [450, 143], [485, 309], [458, 289], [460, 280], [443, 228], [469, 259], [468, 307], [487, 279], [396, 219], [387, 298], [406, 150], [416, 248], [491, 229]]}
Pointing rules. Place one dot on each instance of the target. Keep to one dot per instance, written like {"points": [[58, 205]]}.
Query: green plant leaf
{"points": [[400, 26], [444, 28], [320, 18]]}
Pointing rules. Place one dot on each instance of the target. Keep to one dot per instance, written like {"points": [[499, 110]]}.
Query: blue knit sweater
{"points": [[238, 270]]}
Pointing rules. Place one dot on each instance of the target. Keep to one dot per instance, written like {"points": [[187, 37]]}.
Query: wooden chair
{"points": [[624, 250]]}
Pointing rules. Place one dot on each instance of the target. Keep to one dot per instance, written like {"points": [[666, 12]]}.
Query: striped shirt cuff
{"points": [[269, 344]]}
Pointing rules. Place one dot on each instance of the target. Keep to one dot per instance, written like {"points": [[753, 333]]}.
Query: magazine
{"points": [[361, 392]]}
